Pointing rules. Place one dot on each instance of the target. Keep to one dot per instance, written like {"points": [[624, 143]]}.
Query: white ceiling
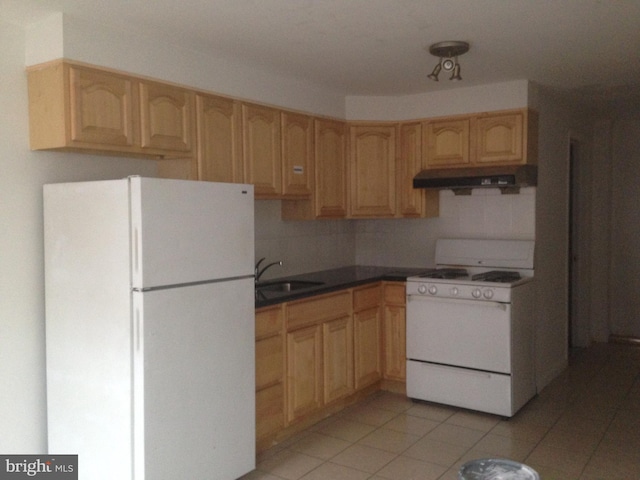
{"points": [[379, 47]]}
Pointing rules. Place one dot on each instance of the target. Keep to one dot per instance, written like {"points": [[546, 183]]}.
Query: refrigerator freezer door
{"points": [[185, 231], [194, 381]]}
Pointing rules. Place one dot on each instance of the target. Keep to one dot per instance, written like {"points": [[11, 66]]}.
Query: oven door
{"points": [[461, 333]]}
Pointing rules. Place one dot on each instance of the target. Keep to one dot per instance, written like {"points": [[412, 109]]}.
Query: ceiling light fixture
{"points": [[448, 53]]}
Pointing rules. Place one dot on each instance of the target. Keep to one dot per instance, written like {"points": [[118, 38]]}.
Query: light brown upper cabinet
{"points": [[76, 107], [485, 139], [167, 118], [446, 142], [372, 170], [219, 139], [297, 155], [330, 169], [261, 145], [412, 202], [506, 138]]}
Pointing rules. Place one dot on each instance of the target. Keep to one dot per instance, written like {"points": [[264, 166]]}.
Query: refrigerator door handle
{"points": [[136, 252], [137, 330]]}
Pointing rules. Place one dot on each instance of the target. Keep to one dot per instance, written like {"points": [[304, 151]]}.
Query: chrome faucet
{"points": [[259, 272]]}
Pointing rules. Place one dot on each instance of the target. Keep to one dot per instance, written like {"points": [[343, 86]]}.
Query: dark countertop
{"points": [[333, 280]]}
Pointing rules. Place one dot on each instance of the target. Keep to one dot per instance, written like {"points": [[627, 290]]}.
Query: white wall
{"points": [[624, 275], [483, 98], [301, 246], [486, 213], [161, 59], [560, 120]]}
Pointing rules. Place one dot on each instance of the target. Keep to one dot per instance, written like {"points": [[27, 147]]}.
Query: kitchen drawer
{"points": [[367, 297], [269, 321], [269, 361], [460, 387], [321, 308], [395, 293]]}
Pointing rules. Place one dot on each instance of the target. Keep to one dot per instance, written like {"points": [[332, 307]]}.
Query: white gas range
{"points": [[470, 326]]}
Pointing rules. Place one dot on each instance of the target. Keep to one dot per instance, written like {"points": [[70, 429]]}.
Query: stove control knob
{"points": [[433, 289], [488, 294], [454, 291], [422, 289], [476, 293]]}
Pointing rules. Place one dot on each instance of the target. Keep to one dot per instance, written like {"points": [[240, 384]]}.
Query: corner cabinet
{"points": [[372, 170], [412, 202], [75, 107]]}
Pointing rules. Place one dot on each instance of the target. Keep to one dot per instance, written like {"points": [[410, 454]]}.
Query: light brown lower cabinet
{"points": [[319, 352], [269, 373], [367, 324], [304, 371], [316, 355], [337, 358], [394, 332]]}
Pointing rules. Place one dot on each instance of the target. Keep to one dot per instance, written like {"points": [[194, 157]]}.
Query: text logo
{"points": [[49, 467]]}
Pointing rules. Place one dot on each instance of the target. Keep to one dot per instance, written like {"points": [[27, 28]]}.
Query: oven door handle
{"points": [[459, 301]]}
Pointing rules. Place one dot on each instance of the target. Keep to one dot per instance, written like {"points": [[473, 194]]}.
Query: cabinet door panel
{"points": [[101, 107], [368, 367], [330, 169], [447, 143], [304, 371], [167, 117], [219, 139], [297, 155], [337, 359], [411, 201], [372, 165], [394, 335], [269, 361], [500, 139], [262, 149]]}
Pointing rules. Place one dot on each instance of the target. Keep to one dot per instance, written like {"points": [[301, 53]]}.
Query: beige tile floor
{"points": [[585, 426]]}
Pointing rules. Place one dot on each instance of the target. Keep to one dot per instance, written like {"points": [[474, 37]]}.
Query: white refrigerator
{"points": [[150, 328]]}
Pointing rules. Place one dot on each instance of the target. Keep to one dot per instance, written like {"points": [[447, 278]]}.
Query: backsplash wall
{"points": [[303, 246], [323, 244], [486, 213]]}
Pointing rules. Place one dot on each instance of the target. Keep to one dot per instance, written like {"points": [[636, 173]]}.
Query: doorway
{"points": [[577, 332]]}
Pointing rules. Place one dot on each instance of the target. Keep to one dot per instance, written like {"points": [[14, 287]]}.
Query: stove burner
{"points": [[499, 276], [447, 273]]}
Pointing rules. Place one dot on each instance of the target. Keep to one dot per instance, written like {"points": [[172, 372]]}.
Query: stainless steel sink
{"points": [[286, 286]]}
